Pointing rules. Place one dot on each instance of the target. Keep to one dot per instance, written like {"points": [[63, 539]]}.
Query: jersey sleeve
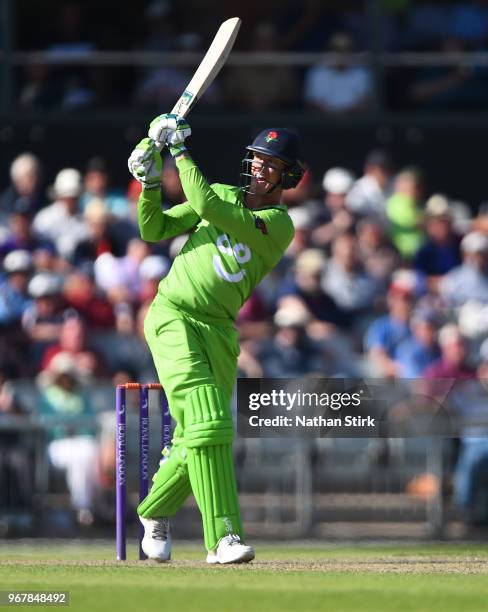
{"points": [[156, 224], [267, 231]]}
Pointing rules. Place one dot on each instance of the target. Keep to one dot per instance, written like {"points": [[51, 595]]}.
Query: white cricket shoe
{"points": [[156, 543], [231, 550]]}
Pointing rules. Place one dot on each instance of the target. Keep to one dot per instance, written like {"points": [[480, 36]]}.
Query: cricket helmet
{"points": [[282, 144]]}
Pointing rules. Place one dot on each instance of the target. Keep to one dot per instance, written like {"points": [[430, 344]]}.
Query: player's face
{"points": [[266, 172]]}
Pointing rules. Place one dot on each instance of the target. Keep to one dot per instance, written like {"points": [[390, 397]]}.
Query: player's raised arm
{"points": [[268, 231], [145, 164]]}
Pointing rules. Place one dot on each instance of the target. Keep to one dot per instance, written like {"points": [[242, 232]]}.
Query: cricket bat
{"points": [[209, 67]]}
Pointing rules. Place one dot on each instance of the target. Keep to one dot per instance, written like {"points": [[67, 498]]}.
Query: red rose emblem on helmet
{"points": [[270, 136]]}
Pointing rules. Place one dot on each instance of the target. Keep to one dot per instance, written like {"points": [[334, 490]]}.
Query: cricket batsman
{"points": [[237, 235]]}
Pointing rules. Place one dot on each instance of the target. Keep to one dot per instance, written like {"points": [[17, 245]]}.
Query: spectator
{"points": [[74, 85], [447, 87], [38, 90], [107, 234], [61, 221], [81, 294], [345, 279], [25, 190], [20, 234], [259, 88], [420, 350], [14, 298], [306, 288], [387, 333], [469, 281], [441, 252], [367, 197], [97, 185], [152, 270], [404, 214], [302, 220], [73, 342], [376, 251], [291, 352], [341, 87], [334, 217], [43, 319], [65, 408], [119, 277], [252, 319], [454, 353]]}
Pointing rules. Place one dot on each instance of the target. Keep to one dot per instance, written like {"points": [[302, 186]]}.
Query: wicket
{"points": [[121, 454]]}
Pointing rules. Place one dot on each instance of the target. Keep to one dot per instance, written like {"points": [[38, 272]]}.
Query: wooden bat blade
{"points": [[209, 67]]}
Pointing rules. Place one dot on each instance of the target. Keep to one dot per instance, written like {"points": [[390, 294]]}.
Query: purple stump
{"points": [[143, 453], [120, 472]]}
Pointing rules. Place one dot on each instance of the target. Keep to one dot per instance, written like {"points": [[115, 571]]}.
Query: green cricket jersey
{"points": [[229, 250]]}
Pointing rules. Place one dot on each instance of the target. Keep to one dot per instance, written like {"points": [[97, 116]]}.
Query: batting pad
{"points": [[171, 486], [208, 435]]}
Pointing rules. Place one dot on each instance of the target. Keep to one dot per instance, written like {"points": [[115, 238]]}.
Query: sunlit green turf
{"points": [[284, 577]]}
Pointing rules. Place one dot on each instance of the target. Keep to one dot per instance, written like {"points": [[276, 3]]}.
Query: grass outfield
{"points": [[285, 577]]}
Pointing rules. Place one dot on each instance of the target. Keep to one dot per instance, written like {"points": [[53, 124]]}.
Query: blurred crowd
{"points": [[382, 279], [342, 86]]}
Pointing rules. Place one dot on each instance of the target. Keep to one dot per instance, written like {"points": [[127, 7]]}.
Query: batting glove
{"points": [[172, 130], [145, 164]]}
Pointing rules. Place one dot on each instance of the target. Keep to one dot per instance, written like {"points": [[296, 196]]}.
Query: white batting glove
{"points": [[145, 164], [171, 130]]}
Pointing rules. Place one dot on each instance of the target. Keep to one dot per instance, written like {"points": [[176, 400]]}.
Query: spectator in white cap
{"points": [[302, 220], [335, 217], [152, 270], [43, 319], [14, 298], [441, 252], [291, 352], [469, 281], [61, 221]]}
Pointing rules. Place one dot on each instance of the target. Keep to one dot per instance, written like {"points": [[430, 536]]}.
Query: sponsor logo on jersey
{"points": [[271, 136]]}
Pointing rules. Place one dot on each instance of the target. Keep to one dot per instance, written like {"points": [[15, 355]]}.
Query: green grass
{"points": [[284, 577]]}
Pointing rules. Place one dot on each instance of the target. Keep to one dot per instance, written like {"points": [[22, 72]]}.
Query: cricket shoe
{"points": [[231, 550], [156, 543]]}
